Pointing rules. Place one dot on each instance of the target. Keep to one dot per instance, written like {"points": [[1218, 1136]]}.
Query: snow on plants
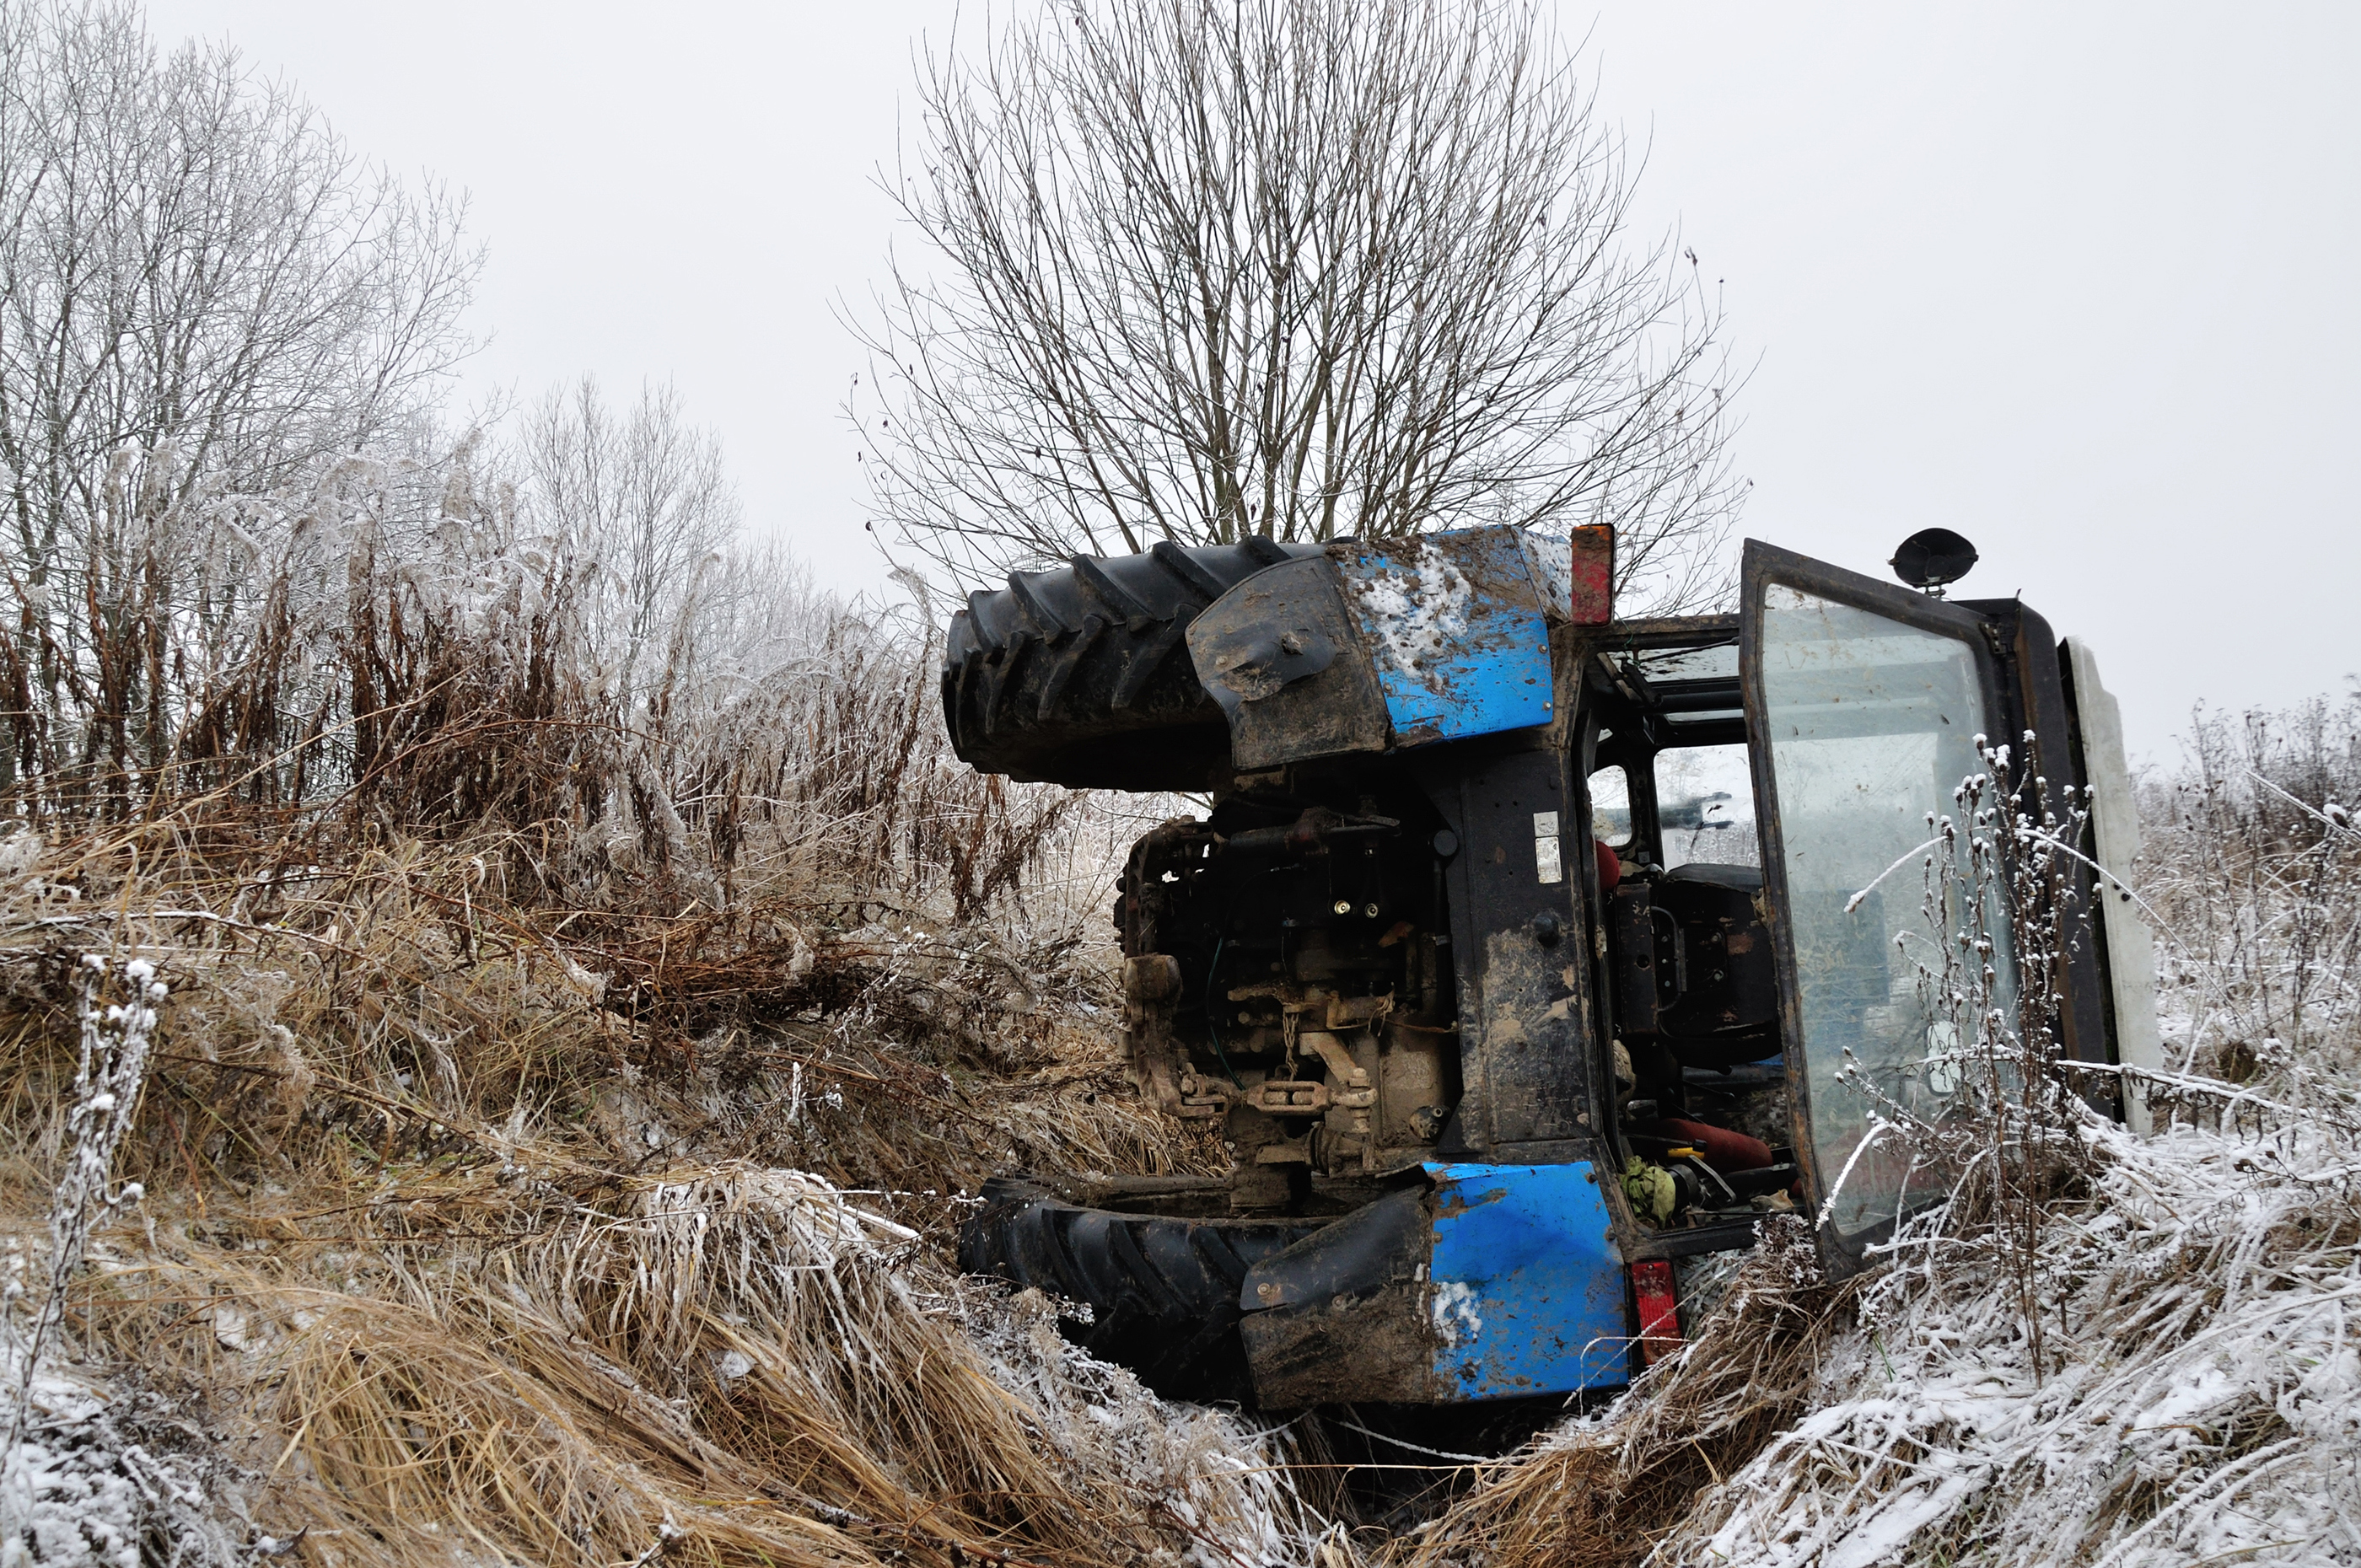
{"points": [[85, 1478], [2103, 1349], [112, 1481], [1214, 1475], [115, 1040], [2198, 1398]]}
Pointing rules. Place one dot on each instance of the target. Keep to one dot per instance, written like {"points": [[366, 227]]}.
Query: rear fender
{"points": [[1484, 1282], [1372, 648]]}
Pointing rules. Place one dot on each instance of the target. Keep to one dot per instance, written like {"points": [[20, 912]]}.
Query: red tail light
{"points": [[1660, 1309], [1594, 575]]}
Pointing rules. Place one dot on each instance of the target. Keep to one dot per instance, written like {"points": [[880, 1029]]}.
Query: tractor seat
{"points": [[1705, 874], [1727, 1011]]}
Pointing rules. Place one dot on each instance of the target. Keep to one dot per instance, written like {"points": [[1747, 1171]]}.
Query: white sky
{"points": [[2079, 282]]}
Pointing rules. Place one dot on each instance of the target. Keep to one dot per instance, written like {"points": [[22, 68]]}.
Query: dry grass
{"points": [[565, 1366], [531, 1225], [555, 1120], [394, 999]]}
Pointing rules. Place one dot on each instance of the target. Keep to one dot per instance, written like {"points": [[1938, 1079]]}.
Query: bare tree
{"points": [[201, 291], [648, 499], [1306, 269]]}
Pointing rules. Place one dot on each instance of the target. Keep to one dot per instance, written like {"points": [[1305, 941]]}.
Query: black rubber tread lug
{"points": [[954, 686], [1214, 1252], [1106, 1260], [1185, 566], [1265, 550], [1035, 607], [1024, 1248], [1095, 579], [1001, 676], [1163, 1292], [984, 624], [1143, 667], [1068, 662], [1181, 1256]]}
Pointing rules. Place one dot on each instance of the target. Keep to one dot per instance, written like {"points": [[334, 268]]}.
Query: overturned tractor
{"points": [[1527, 957]]}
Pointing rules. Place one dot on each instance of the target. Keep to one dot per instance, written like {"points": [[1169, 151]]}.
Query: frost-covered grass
{"points": [[82, 1478], [2198, 1398], [475, 1230], [115, 1480], [116, 1039], [2253, 861]]}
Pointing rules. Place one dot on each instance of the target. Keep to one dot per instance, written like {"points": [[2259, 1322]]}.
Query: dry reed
{"points": [[473, 1213]]}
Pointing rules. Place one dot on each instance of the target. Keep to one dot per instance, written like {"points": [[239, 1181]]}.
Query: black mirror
{"points": [[1932, 557]]}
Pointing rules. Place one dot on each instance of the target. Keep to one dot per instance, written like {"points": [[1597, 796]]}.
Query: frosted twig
{"points": [[115, 1042], [2036, 836], [2325, 820], [1854, 902], [1877, 1125]]}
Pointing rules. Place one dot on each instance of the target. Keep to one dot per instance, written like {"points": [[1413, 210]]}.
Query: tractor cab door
{"points": [[1865, 705]]}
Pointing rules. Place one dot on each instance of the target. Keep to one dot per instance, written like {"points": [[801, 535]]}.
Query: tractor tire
{"points": [[1162, 1292], [1080, 675]]}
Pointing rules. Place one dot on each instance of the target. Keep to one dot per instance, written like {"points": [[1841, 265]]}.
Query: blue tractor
{"points": [[1526, 958]]}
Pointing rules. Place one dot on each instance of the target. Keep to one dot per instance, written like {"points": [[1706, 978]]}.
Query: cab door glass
{"points": [[1871, 725]]}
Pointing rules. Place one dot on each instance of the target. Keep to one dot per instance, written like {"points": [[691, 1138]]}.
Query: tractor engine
{"points": [[1288, 974]]}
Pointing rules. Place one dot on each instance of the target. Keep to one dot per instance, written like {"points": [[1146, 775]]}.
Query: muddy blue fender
{"points": [[1367, 648], [1483, 1282]]}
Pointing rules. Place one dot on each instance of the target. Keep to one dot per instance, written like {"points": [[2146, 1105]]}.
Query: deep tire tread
{"points": [[1162, 1291], [1032, 688]]}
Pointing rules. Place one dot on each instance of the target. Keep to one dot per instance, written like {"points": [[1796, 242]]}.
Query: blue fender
{"points": [[1529, 1284], [1486, 1282], [1377, 649]]}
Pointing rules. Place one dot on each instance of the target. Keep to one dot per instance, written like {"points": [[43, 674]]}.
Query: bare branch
{"points": [[1307, 268]]}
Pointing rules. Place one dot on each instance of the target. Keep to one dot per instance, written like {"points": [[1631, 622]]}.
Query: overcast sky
{"points": [[2078, 282]]}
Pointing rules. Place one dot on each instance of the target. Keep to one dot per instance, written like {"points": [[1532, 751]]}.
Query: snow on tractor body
{"points": [[1519, 953]]}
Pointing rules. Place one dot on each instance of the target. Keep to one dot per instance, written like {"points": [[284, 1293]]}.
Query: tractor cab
{"points": [[1527, 959]]}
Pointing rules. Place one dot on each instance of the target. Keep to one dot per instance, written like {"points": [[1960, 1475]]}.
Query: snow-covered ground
{"points": [[2198, 1400], [114, 1481]]}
